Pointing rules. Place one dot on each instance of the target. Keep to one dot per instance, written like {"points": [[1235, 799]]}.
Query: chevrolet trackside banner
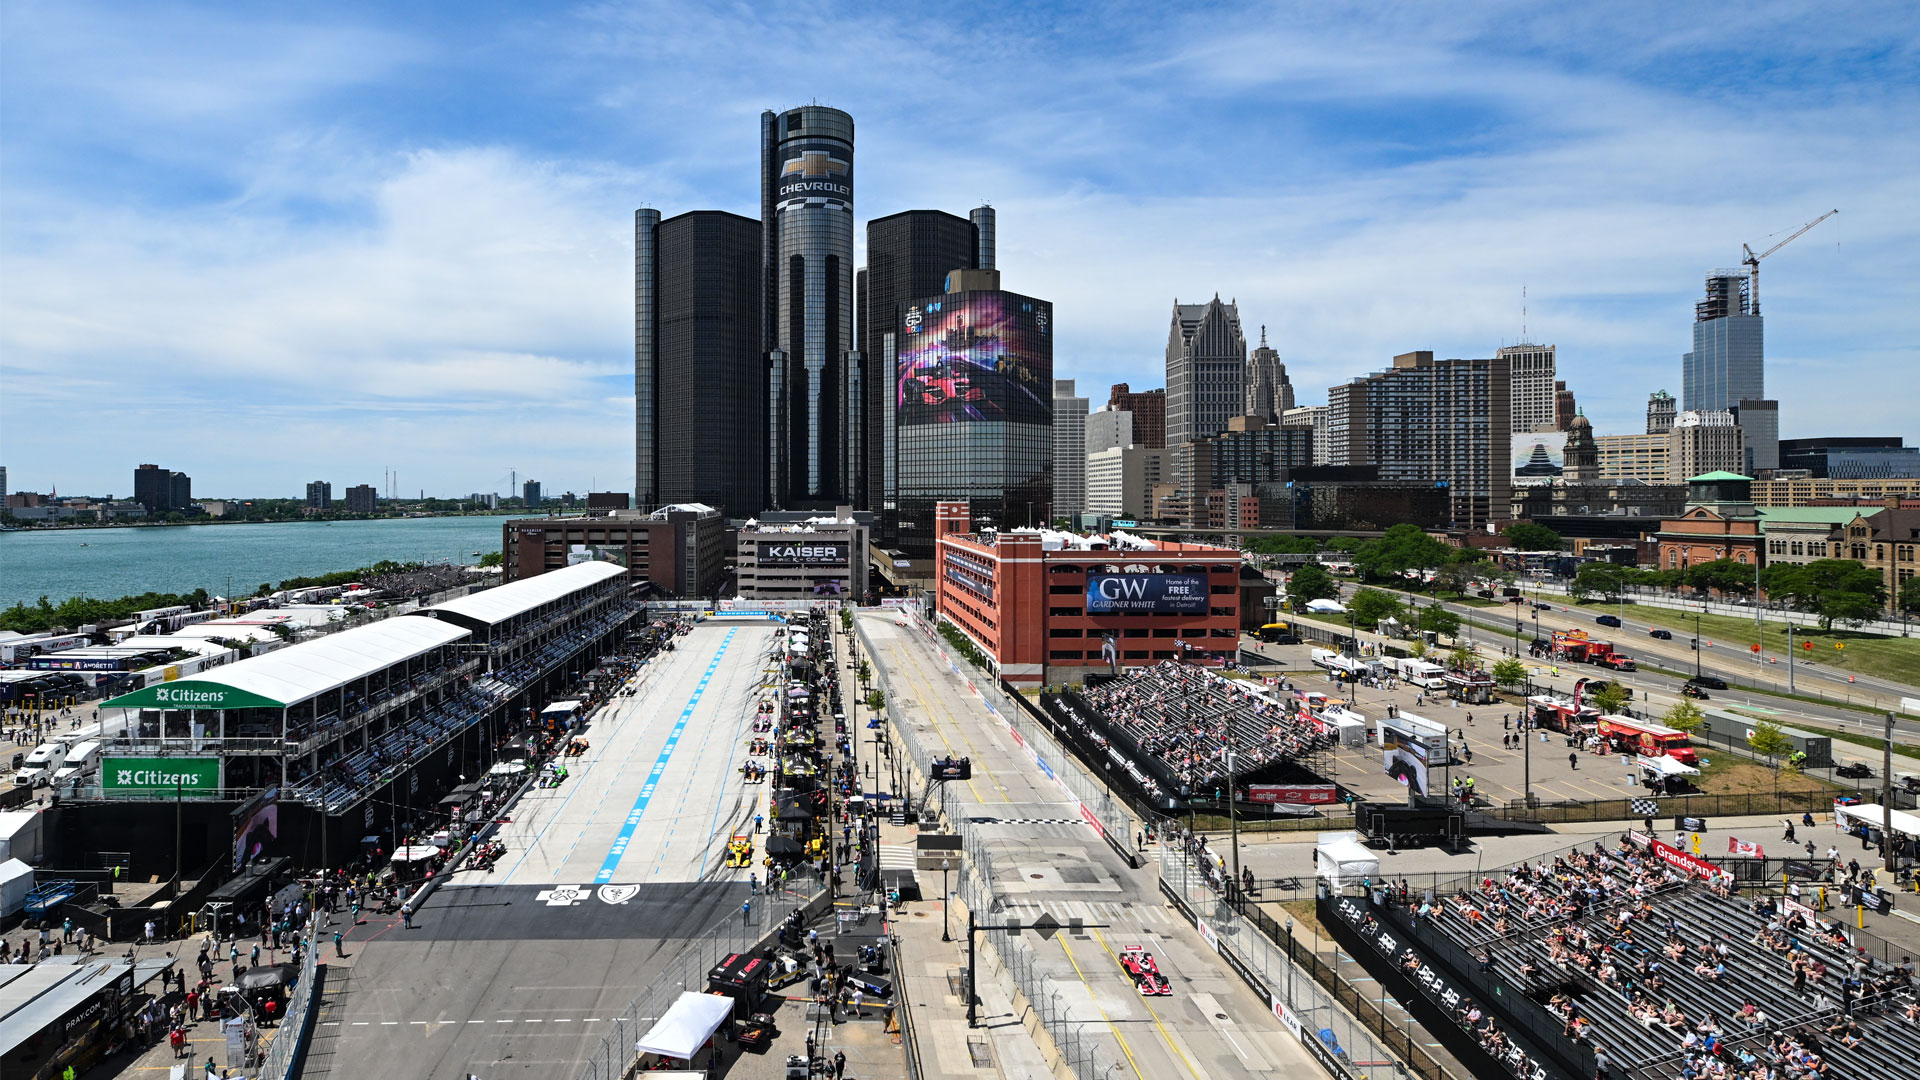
{"points": [[159, 776]]}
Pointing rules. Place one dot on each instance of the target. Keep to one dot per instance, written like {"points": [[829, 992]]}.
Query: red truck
{"points": [[1645, 737], [1576, 646], [1602, 653]]}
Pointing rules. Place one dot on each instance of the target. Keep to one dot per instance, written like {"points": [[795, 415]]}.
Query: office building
{"points": [[608, 500], [974, 407], [1795, 490], [813, 388], [1705, 442], [818, 558], [162, 490], [1851, 457], [1760, 425], [362, 499], [1315, 417], [3, 485], [320, 495], [1643, 458], [1441, 421], [1720, 521], [1108, 427], [1534, 389], [1206, 370], [530, 494], [909, 255], [1564, 407], [1727, 363], [1660, 412], [1069, 450], [1269, 394], [1121, 479], [679, 549], [1051, 607], [700, 392], [1149, 411]]}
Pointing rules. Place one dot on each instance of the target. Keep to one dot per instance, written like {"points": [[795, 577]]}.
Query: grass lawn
{"points": [[1729, 775], [1865, 654]]}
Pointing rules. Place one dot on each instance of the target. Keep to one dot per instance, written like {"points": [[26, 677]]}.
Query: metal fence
{"points": [[285, 1051], [617, 1056], [1328, 1016]]}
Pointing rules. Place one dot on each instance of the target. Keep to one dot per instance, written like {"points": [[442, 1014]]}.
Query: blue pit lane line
{"points": [[640, 804]]}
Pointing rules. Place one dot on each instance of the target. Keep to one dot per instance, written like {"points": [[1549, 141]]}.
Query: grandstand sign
{"points": [[1151, 594], [1310, 794], [155, 777], [191, 694], [1691, 865]]}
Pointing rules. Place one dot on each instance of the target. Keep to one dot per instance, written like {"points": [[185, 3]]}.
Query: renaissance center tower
{"points": [[814, 423]]}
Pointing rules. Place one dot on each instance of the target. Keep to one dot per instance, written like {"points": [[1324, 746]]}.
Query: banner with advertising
{"points": [[801, 552], [159, 777], [1680, 860], [1310, 794], [1406, 758], [975, 357], [1150, 594]]}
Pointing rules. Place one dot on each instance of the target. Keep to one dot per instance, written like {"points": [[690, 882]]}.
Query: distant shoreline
{"points": [[77, 526]]}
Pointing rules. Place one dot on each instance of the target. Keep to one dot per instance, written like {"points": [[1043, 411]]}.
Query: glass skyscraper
{"points": [[972, 400], [813, 388], [1726, 365]]}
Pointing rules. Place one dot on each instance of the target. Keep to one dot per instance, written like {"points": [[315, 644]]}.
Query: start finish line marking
{"points": [[659, 766]]}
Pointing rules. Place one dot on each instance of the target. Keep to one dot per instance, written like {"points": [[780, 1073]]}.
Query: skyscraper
{"points": [[1533, 387], [973, 407], [1069, 450], [1443, 421], [1660, 411], [161, 490], [909, 255], [1269, 394], [1760, 422], [320, 495], [1727, 363], [1206, 370], [699, 368], [806, 244], [1149, 409]]}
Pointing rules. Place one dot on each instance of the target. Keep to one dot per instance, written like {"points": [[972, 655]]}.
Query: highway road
{"points": [[1048, 860]]}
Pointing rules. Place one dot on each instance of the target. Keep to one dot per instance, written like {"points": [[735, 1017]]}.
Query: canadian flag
{"points": [[1737, 846]]}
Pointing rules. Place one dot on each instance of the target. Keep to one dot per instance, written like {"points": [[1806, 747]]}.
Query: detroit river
{"points": [[110, 563]]}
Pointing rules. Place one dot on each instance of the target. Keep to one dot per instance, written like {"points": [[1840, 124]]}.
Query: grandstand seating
{"points": [[1629, 954]]}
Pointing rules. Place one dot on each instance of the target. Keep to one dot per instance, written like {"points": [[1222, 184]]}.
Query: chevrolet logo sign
{"points": [[814, 163]]}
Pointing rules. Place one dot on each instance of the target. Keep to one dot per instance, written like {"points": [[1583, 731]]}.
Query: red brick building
{"points": [[1048, 607]]}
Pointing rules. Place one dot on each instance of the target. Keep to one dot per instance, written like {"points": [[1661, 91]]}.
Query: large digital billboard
{"points": [[975, 356], [1153, 594], [1539, 456], [1406, 758], [802, 553]]}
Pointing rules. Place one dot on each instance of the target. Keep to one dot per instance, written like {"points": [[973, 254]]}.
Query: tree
{"points": [[1510, 672], [491, 558], [1462, 658], [1684, 715], [1723, 575], [1435, 619], [1609, 697], [1419, 648], [1527, 536], [876, 700], [1830, 588], [1346, 545], [865, 673], [1453, 577], [1310, 583], [1910, 596], [1767, 739], [1401, 548], [1602, 579], [1371, 607], [1283, 545]]}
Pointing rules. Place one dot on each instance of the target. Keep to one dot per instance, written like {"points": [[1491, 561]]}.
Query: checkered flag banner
{"points": [[1646, 807]]}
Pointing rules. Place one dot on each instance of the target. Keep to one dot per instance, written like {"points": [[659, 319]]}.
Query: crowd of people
{"points": [[1190, 718]]}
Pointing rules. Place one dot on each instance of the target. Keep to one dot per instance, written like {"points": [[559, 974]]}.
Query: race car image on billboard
{"points": [[975, 356]]}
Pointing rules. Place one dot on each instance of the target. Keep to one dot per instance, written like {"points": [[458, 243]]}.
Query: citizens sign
{"points": [[1154, 594]]}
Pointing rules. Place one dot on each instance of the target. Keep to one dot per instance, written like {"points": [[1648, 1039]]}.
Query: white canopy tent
{"points": [[1664, 766], [1876, 815], [687, 1026], [561, 707], [1341, 859]]}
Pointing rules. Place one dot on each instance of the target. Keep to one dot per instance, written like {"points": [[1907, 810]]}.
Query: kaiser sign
{"points": [[802, 553], [160, 776]]}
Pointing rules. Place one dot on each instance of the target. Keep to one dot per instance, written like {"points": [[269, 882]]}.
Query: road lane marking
{"points": [[640, 804]]}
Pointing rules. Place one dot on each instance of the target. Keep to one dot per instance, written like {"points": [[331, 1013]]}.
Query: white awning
{"points": [[561, 707], [1876, 815], [499, 604], [687, 1026], [1665, 766], [1341, 858], [507, 768]]}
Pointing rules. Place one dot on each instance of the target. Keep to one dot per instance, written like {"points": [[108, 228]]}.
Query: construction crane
{"points": [[1752, 261]]}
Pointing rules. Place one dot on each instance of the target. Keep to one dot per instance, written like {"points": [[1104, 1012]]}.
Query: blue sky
{"points": [[271, 243]]}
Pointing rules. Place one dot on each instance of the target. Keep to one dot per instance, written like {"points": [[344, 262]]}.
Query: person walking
{"points": [[839, 1064], [406, 915], [1573, 760], [339, 948]]}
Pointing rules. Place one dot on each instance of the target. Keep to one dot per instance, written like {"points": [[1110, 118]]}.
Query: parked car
{"points": [[1608, 620], [1854, 770], [1542, 605], [1692, 691], [1663, 635], [1708, 682]]}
